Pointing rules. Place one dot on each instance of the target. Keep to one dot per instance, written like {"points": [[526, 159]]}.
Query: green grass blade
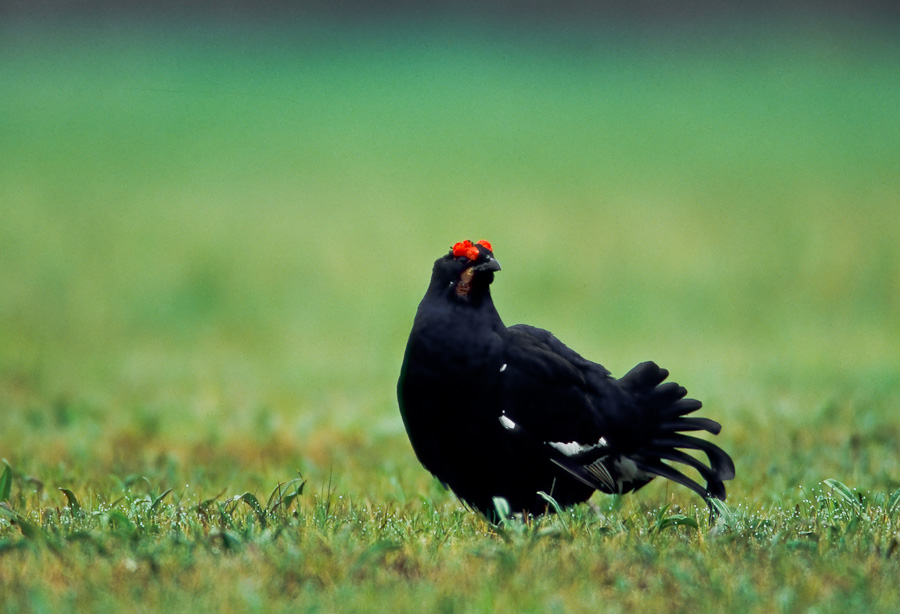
{"points": [[276, 497], [675, 520], [156, 502], [844, 492], [29, 530], [7, 512], [721, 509], [501, 507], [289, 499], [551, 501], [251, 500], [5, 482], [893, 503], [280, 496], [74, 506], [556, 508]]}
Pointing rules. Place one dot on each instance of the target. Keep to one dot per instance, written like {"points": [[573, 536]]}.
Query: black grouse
{"points": [[497, 411]]}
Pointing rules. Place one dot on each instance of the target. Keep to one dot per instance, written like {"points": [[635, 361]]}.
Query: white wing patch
{"points": [[503, 368], [569, 448], [507, 423], [572, 448]]}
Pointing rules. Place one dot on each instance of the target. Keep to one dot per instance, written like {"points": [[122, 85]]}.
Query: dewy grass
{"points": [[212, 245], [324, 545]]}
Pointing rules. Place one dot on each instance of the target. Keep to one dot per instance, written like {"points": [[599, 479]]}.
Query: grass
{"points": [[213, 242]]}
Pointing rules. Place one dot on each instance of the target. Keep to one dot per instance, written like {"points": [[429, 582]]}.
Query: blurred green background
{"points": [[213, 238]]}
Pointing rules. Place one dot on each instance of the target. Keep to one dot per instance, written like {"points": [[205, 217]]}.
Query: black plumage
{"points": [[497, 411]]}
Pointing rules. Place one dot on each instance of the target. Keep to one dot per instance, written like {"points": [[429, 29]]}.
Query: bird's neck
{"points": [[474, 315]]}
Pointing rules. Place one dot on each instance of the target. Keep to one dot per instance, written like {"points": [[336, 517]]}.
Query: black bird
{"points": [[497, 411]]}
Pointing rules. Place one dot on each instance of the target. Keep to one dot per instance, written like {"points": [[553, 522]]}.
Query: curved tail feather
{"points": [[666, 408], [659, 435]]}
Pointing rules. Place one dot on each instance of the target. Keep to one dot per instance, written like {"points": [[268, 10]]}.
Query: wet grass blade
{"points": [[844, 492], [501, 508], [288, 500], [675, 520], [251, 500], [721, 509], [893, 503], [29, 530], [556, 508], [664, 522], [156, 502], [7, 512], [74, 507], [280, 496]]}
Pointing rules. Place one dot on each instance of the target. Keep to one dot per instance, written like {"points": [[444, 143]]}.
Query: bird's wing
{"points": [[549, 393], [532, 334], [549, 389], [609, 434]]}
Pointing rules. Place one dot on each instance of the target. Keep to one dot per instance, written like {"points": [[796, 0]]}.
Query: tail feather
{"points": [[709, 474], [661, 469], [682, 407], [664, 408], [692, 424], [719, 460], [646, 375], [669, 392], [647, 437]]}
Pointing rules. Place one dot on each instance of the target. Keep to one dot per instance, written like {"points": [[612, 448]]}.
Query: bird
{"points": [[511, 413]]}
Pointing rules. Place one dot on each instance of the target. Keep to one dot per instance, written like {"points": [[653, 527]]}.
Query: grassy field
{"points": [[213, 241]]}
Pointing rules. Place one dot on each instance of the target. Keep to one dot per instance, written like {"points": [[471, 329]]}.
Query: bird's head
{"points": [[466, 271]]}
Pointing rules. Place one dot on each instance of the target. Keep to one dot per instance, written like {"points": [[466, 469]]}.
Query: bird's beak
{"points": [[491, 265]]}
